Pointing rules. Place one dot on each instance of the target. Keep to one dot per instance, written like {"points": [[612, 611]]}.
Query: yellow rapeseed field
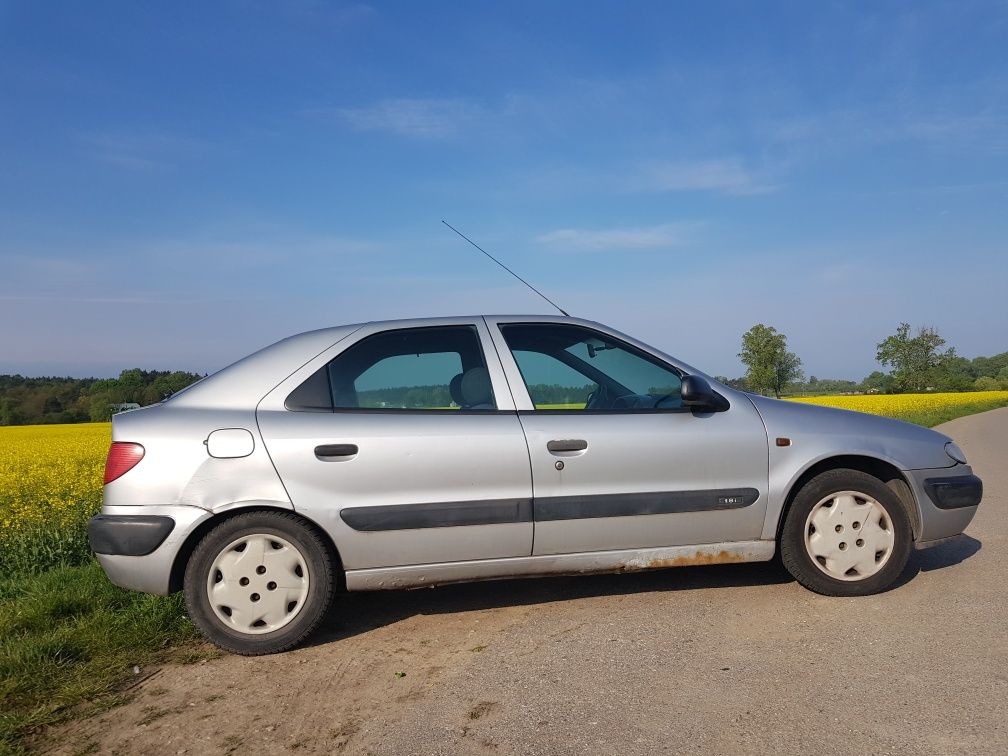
{"points": [[50, 475], [907, 405]]}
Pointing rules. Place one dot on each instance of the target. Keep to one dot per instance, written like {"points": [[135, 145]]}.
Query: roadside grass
{"points": [[69, 640]]}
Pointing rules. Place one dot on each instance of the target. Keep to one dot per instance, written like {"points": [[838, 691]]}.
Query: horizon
{"points": [[182, 189]]}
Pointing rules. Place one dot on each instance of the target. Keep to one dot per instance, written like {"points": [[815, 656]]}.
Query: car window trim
{"points": [[448, 412]]}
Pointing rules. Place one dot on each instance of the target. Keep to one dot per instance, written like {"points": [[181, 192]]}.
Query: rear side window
{"points": [[436, 369]]}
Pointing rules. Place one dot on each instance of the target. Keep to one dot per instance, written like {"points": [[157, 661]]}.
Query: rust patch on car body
{"points": [[590, 563], [699, 558]]}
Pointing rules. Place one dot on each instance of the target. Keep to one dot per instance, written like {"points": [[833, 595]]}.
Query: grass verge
{"points": [[69, 640], [931, 418]]}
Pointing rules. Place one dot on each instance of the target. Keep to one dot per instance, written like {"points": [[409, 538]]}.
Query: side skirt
{"points": [[628, 560]]}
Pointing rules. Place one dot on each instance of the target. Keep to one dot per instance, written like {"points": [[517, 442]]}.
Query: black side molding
{"points": [[504, 511], [633, 504], [438, 514], [128, 535], [954, 492]]}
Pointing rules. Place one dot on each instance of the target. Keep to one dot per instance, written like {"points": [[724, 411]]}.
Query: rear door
{"points": [[617, 462], [406, 446]]}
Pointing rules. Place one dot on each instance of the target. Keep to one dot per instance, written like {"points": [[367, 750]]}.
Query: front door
{"points": [[617, 462], [406, 446]]}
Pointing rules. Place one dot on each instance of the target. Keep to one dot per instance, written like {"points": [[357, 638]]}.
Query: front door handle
{"points": [[567, 445], [330, 451]]}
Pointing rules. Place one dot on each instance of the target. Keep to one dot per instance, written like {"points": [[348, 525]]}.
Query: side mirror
{"points": [[698, 394]]}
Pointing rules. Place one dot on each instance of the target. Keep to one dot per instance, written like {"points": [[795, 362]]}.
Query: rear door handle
{"points": [[328, 451], [567, 445]]}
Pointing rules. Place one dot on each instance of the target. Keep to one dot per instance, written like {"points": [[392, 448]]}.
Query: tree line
{"points": [[917, 361], [39, 401]]}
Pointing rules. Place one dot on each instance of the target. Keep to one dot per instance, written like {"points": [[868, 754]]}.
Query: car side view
{"points": [[410, 453]]}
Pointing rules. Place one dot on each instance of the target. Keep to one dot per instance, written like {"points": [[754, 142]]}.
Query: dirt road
{"points": [[731, 659]]}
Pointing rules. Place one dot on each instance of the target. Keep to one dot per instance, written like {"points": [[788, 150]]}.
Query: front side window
{"points": [[439, 368], [568, 367]]}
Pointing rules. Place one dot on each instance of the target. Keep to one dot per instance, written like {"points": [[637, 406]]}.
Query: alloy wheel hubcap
{"points": [[849, 536], [258, 583]]}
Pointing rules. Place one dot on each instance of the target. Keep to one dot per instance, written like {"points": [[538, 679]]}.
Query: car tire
{"points": [[846, 534], [259, 583]]}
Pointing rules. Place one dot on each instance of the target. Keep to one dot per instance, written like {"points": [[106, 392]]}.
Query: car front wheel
{"points": [[846, 534], [259, 583]]}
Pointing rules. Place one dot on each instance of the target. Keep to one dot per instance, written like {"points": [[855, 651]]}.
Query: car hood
{"points": [[828, 431]]}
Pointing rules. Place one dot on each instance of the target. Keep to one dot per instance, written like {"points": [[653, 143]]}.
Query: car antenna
{"points": [[505, 267]]}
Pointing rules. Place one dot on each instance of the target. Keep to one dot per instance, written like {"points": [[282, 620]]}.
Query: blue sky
{"points": [[181, 184]]}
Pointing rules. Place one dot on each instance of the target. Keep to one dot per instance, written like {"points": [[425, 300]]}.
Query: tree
{"points": [[986, 383], [916, 360], [769, 365], [877, 383], [954, 373]]}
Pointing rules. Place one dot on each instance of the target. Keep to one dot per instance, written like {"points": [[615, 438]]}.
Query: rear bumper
{"points": [[128, 535], [947, 499], [128, 530]]}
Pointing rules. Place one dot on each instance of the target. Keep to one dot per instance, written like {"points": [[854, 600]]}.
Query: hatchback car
{"points": [[412, 453]]}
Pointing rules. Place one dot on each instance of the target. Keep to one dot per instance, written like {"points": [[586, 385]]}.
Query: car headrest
{"points": [[476, 389], [455, 390]]}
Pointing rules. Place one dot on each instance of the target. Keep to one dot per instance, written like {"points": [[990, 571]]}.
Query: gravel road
{"points": [[733, 659]]}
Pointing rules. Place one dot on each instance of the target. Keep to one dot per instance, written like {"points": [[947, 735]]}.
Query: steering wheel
{"points": [[599, 399], [664, 397], [627, 401]]}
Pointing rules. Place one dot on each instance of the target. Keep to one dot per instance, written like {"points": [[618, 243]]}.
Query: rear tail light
{"points": [[122, 457]]}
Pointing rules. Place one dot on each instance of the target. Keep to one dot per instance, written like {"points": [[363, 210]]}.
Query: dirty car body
{"points": [[429, 451]]}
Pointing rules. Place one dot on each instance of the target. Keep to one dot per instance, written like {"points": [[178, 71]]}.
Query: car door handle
{"points": [[567, 445], [328, 451]]}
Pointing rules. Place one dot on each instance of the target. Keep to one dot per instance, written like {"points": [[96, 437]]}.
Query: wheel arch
{"points": [[885, 471], [185, 552]]}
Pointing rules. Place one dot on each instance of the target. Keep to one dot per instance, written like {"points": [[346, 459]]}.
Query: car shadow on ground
{"points": [[948, 554], [356, 613]]}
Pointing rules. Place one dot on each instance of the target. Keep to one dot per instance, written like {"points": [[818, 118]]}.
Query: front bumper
{"points": [[954, 492], [947, 498]]}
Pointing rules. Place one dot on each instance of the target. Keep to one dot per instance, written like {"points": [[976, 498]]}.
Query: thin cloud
{"points": [[982, 133], [593, 240], [728, 176], [416, 118], [141, 150]]}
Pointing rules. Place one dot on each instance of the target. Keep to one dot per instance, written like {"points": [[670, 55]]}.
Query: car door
{"points": [[406, 446], [617, 462]]}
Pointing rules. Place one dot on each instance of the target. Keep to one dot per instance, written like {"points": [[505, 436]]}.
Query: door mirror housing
{"points": [[697, 394]]}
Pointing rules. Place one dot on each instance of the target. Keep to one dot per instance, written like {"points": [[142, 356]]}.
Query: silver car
{"points": [[417, 452]]}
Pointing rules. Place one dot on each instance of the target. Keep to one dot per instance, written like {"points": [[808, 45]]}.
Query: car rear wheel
{"points": [[259, 583], [846, 534]]}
